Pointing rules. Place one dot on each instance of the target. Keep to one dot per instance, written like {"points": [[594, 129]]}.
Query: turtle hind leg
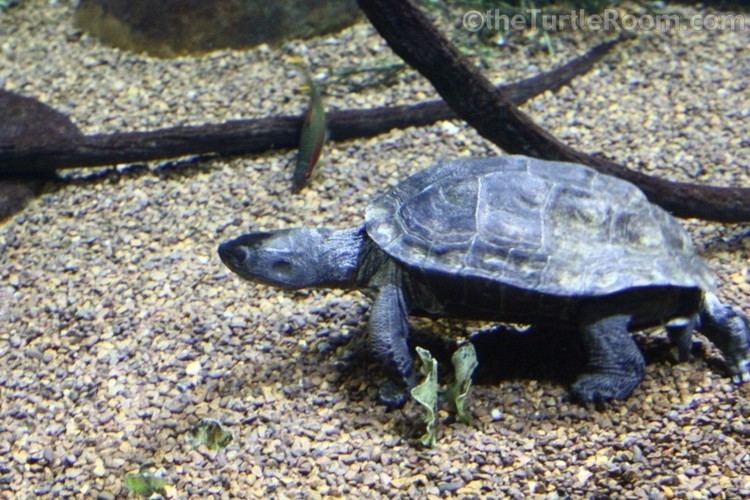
{"points": [[388, 334], [614, 366], [729, 331], [680, 333]]}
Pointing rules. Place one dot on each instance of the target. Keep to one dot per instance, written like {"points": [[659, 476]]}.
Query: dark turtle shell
{"points": [[551, 227]]}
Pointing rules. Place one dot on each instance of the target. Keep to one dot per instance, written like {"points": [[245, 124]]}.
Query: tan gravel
{"points": [[120, 329]]}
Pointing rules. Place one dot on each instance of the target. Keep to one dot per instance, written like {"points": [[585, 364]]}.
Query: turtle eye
{"points": [[282, 266]]}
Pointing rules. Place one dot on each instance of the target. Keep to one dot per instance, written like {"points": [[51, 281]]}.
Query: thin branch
{"points": [[259, 135], [413, 37]]}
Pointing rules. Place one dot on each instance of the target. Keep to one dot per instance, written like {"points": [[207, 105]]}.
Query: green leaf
{"points": [[210, 433], [426, 394], [464, 363], [145, 484]]}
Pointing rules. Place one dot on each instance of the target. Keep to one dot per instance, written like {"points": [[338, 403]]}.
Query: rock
{"points": [[33, 123], [15, 193], [193, 368], [175, 27]]}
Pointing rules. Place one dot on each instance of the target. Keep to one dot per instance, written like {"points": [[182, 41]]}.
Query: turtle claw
{"points": [[743, 374]]}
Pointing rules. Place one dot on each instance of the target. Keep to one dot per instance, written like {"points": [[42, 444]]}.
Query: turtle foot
{"points": [[742, 372], [598, 388], [393, 395]]}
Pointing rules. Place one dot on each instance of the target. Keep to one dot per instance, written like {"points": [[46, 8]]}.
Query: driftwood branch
{"points": [[258, 135], [413, 37]]}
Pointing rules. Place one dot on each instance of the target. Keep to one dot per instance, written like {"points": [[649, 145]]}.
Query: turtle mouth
{"points": [[240, 254], [232, 255]]}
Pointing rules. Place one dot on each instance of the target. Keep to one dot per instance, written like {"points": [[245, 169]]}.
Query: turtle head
{"points": [[295, 258]]}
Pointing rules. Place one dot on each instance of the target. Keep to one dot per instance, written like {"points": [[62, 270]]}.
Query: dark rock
{"points": [[449, 487], [30, 123], [15, 193], [173, 27]]}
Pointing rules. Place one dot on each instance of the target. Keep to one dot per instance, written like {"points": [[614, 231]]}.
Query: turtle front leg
{"points": [[729, 331], [615, 365], [388, 334]]}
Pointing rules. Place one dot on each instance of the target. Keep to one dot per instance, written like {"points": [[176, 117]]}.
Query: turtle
{"points": [[517, 240]]}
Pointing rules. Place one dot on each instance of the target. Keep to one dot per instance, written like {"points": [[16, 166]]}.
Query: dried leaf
{"points": [[211, 434], [145, 483], [6, 4], [464, 363], [426, 394]]}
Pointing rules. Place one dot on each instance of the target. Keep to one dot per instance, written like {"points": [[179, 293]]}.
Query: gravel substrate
{"points": [[120, 329]]}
